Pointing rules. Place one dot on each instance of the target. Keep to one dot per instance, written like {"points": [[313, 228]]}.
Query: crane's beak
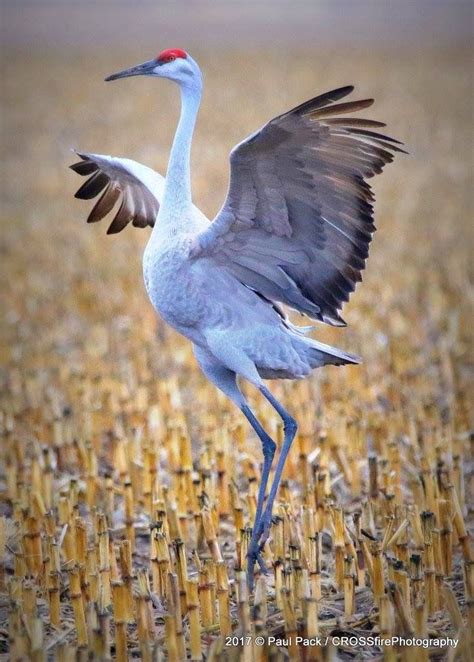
{"points": [[144, 69]]}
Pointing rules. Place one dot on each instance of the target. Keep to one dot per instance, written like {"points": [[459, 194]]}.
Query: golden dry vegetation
{"points": [[128, 483]]}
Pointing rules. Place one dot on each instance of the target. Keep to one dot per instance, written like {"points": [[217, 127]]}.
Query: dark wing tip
{"points": [[121, 220], [84, 168], [105, 204], [333, 319], [115, 228], [399, 150], [320, 101], [381, 138], [93, 186], [87, 166], [333, 95]]}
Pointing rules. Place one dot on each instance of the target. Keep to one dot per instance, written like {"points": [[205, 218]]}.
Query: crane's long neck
{"points": [[177, 193]]}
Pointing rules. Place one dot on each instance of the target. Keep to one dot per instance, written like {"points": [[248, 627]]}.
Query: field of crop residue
{"points": [[128, 483]]}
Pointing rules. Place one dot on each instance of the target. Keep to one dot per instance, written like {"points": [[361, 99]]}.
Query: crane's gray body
{"points": [[224, 318]]}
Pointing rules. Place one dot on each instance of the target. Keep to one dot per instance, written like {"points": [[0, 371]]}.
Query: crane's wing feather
{"points": [[139, 187], [298, 217]]}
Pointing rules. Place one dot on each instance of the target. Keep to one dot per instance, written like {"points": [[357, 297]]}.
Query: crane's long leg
{"points": [[290, 427], [225, 379], [268, 449]]}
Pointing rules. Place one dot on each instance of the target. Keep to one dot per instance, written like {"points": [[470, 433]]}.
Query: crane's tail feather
{"points": [[319, 354], [313, 354]]}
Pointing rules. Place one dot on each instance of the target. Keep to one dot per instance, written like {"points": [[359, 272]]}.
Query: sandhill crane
{"points": [[294, 229]]}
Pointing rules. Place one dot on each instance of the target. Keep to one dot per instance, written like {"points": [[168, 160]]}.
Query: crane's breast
{"points": [[178, 287], [193, 295]]}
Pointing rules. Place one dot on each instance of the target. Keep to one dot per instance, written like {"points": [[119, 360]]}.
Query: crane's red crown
{"points": [[171, 54]]}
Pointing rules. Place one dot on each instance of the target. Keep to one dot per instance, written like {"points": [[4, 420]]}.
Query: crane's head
{"points": [[173, 63]]}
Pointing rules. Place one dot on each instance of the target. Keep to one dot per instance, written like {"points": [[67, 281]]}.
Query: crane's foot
{"points": [[257, 543]]}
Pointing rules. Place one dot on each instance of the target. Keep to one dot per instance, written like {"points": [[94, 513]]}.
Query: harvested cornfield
{"points": [[128, 483]]}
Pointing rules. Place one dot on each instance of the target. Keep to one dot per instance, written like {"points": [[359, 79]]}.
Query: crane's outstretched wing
{"points": [[139, 187], [298, 217]]}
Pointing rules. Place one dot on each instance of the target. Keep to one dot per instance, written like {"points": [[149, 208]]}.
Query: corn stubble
{"points": [[129, 484]]}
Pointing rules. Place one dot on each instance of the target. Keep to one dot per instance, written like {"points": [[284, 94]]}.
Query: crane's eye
{"points": [[171, 58]]}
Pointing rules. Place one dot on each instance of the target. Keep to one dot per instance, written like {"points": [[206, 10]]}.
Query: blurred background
{"points": [[64, 279], [200, 23]]}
